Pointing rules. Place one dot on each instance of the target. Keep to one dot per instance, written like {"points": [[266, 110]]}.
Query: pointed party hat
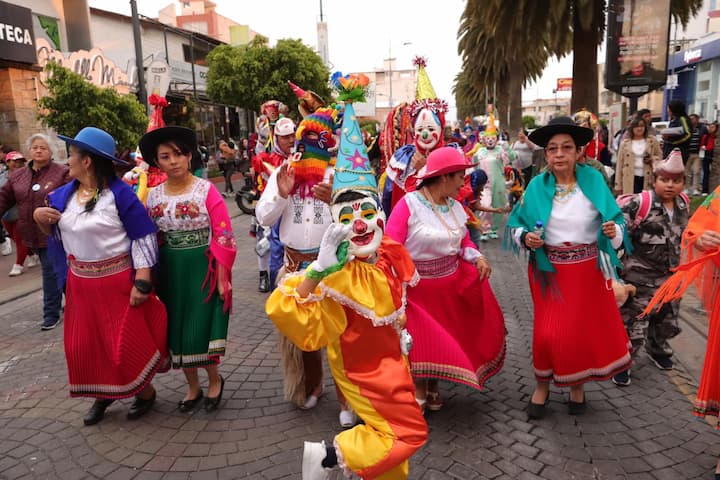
{"points": [[425, 96], [424, 89], [308, 101], [490, 127], [352, 168], [672, 166]]}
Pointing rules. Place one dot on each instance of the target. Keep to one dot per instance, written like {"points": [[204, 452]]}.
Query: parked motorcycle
{"points": [[247, 196]]}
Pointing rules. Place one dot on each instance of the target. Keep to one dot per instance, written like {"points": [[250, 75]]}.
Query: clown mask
{"points": [[490, 141], [367, 221], [427, 130]]}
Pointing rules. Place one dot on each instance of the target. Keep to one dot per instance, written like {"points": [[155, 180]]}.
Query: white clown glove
{"points": [[333, 252]]}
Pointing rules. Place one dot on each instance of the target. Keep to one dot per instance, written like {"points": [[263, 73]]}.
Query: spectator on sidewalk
{"points": [[657, 219], [637, 156], [707, 150], [28, 187], [699, 267], [15, 160], [694, 163], [104, 244], [226, 162], [678, 133]]}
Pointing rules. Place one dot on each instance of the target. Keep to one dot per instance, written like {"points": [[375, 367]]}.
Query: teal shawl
{"points": [[536, 204]]}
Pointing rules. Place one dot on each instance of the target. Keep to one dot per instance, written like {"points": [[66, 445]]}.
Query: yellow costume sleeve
{"points": [[310, 323]]}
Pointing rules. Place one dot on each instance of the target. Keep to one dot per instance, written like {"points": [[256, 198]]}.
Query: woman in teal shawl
{"points": [[571, 224]]}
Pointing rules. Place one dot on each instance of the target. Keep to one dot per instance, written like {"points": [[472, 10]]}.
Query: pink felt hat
{"points": [[441, 161], [672, 165]]}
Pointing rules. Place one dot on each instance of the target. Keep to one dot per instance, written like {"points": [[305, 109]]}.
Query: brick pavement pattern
{"points": [[644, 431]]}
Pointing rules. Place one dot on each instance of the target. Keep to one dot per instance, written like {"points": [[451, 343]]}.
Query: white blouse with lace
{"points": [[99, 234], [429, 237]]}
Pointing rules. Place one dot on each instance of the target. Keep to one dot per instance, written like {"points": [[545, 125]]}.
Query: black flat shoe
{"points": [[97, 411], [576, 408], [212, 403], [536, 411], [140, 407], [264, 286], [190, 405]]}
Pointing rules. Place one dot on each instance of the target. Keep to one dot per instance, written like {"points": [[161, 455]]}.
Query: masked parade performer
{"points": [[297, 195], [428, 116], [352, 300], [492, 157], [264, 164]]}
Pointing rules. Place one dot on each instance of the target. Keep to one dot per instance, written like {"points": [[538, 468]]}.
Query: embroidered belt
{"points": [[571, 253], [103, 268], [437, 267], [296, 260], [180, 239]]}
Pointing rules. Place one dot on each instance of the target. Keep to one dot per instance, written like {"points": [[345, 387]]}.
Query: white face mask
{"points": [[368, 224], [490, 142], [427, 130]]}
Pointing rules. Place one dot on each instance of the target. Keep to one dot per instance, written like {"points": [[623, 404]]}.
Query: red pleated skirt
{"points": [[708, 395], [112, 350], [457, 326], [578, 334]]}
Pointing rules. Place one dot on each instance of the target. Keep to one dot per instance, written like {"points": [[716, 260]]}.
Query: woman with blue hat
{"points": [[103, 245]]}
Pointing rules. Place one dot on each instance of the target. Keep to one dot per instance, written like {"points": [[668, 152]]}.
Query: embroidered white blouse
{"points": [[427, 237], [184, 212], [302, 221], [99, 234]]}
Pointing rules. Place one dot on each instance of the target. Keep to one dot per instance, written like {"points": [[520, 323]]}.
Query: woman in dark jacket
{"points": [[678, 120]]}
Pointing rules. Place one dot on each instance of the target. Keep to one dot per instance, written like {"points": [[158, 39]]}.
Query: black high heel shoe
{"points": [[536, 411], [577, 408], [190, 405], [212, 403]]}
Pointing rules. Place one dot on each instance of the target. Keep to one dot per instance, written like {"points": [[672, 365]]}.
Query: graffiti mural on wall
{"points": [[91, 65]]}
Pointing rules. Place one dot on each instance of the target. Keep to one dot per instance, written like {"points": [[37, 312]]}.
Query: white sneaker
{"points": [[313, 455], [15, 270], [32, 261], [6, 247], [348, 418]]}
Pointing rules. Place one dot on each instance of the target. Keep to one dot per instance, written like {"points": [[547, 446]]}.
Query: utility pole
{"points": [[141, 93]]}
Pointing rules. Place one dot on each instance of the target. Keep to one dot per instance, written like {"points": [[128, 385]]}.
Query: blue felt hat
{"points": [[95, 141], [352, 168]]}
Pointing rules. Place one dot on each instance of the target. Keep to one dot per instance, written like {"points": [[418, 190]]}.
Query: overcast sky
{"points": [[361, 37]]}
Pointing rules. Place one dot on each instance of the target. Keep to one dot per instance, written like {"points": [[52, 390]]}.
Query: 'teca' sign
{"points": [[17, 40]]}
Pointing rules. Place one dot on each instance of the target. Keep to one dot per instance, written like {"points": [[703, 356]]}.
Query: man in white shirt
{"points": [[297, 194]]}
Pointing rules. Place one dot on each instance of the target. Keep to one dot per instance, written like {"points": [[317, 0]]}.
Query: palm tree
{"points": [[514, 32], [496, 53]]}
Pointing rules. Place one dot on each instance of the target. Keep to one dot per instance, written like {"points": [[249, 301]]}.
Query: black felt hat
{"points": [[150, 141], [542, 135]]}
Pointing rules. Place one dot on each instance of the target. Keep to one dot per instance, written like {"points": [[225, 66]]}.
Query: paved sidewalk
{"points": [[644, 431]]}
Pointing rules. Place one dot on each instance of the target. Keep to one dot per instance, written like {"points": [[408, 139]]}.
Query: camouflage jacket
{"points": [[655, 242]]}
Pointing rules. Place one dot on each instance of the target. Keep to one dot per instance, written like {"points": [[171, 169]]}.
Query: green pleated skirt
{"points": [[197, 329]]}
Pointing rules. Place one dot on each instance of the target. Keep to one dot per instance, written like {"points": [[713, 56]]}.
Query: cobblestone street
{"points": [[644, 431]]}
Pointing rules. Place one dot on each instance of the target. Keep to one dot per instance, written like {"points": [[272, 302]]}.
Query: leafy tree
{"points": [[73, 103], [528, 122], [249, 75]]}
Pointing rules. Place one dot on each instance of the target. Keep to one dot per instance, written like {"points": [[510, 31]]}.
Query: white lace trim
{"points": [[348, 302]]}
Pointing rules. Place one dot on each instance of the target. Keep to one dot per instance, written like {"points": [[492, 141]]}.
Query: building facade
{"points": [[545, 109]]}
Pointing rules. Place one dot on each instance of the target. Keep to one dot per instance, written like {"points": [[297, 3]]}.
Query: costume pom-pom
{"points": [[420, 61]]}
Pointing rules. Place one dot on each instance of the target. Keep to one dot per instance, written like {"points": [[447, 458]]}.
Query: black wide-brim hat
{"points": [[150, 141], [542, 135]]}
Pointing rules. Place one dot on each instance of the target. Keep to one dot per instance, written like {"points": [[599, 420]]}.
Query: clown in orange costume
{"points": [[352, 301]]}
